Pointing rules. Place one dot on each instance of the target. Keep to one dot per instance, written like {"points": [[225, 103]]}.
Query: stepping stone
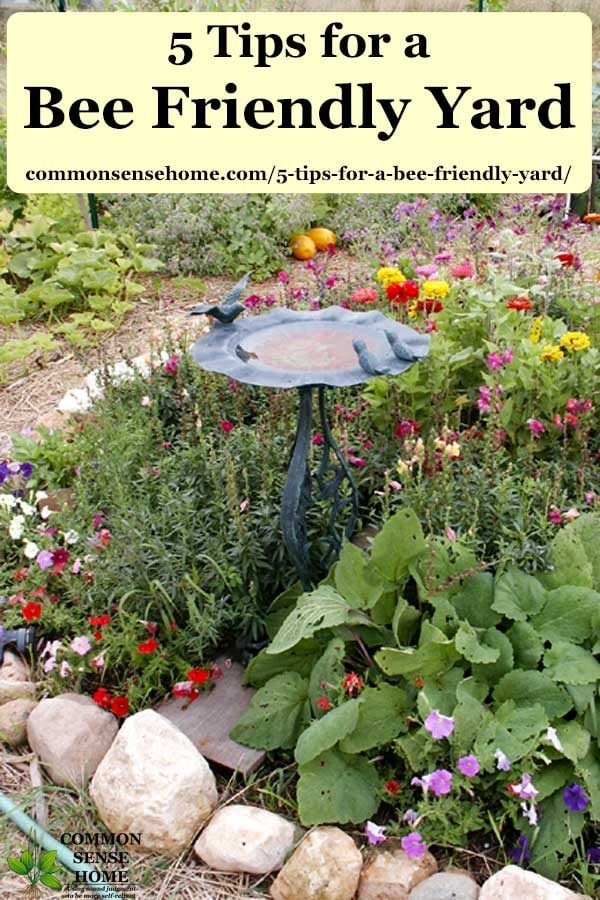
{"points": [[209, 719]]}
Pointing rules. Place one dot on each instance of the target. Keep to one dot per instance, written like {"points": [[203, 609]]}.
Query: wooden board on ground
{"points": [[208, 720]]}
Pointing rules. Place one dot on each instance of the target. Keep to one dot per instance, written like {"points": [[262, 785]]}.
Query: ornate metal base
{"points": [[297, 494]]}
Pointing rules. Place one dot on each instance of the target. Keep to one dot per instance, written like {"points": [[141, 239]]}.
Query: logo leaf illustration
{"points": [[47, 861], [17, 866], [27, 860], [51, 881]]}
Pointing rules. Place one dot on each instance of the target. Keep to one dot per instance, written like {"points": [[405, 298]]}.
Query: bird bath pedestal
{"points": [[310, 351]]}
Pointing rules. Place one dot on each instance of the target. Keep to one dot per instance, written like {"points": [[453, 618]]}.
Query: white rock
{"points": [[75, 401], [392, 874], [13, 721], [246, 839], [514, 883], [448, 885], [326, 866], [15, 677], [70, 734], [154, 782]]}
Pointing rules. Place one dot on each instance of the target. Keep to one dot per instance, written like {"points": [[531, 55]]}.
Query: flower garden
{"points": [[436, 696]]}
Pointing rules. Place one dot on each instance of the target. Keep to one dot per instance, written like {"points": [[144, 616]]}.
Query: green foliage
{"points": [[507, 659], [213, 234]]}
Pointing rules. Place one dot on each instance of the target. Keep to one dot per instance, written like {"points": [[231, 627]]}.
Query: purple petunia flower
{"points": [[413, 845], [439, 726], [576, 799], [438, 782], [44, 559], [502, 761], [375, 833], [520, 852], [26, 470], [592, 855], [468, 766]]}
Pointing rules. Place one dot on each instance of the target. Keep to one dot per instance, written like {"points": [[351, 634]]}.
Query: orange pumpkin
{"points": [[302, 246], [322, 237]]}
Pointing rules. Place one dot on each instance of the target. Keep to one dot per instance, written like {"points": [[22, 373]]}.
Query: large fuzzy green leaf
{"points": [[324, 733], [399, 541], [527, 645], [327, 670], [337, 787], [469, 644], [518, 595], [435, 655], [277, 715], [473, 602], [567, 614], [381, 718], [571, 664], [356, 579], [575, 554], [514, 730], [588, 769], [552, 840], [300, 658], [528, 688], [320, 609], [491, 673], [575, 740]]}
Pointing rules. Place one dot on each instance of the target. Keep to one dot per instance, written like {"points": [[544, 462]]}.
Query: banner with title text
{"points": [[299, 102]]}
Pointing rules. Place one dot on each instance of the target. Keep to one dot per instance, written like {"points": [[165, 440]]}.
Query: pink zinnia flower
{"points": [[536, 427], [463, 270], [426, 271], [364, 296], [439, 726]]}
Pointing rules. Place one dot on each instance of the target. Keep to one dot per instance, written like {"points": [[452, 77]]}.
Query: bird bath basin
{"points": [[307, 350]]}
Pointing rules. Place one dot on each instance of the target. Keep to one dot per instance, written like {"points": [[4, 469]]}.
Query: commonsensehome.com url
{"points": [[306, 175]]}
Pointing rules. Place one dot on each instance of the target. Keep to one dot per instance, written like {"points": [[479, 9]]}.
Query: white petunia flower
{"points": [[31, 550], [8, 500], [16, 527], [26, 508], [553, 738], [71, 537]]}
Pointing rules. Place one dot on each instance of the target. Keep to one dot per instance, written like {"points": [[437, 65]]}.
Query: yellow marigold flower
{"points": [[575, 340], [389, 275], [536, 330], [551, 353], [438, 289]]}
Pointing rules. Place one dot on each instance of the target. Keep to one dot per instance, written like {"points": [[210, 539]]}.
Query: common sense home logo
{"points": [[39, 869]]}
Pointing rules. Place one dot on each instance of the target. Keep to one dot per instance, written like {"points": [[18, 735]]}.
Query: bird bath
{"points": [[309, 350]]}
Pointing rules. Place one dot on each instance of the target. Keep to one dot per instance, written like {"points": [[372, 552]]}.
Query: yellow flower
{"points": [[389, 275], [575, 340], [452, 451], [536, 330], [412, 310], [402, 468], [551, 353], [437, 289]]}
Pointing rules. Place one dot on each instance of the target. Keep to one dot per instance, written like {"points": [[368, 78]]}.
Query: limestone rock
{"points": [[392, 874], [514, 883], [326, 866], [154, 782], [448, 885], [70, 734], [13, 721], [246, 839], [15, 679]]}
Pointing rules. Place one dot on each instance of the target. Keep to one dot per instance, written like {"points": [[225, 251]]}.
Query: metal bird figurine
{"points": [[368, 361], [401, 350], [230, 308]]}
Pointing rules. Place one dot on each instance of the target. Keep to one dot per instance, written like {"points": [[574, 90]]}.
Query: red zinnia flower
{"points": [[402, 293], [352, 683], [148, 646], [198, 676], [519, 303], [226, 426], [120, 706], [31, 611], [430, 305], [323, 704], [392, 787], [21, 574], [102, 698]]}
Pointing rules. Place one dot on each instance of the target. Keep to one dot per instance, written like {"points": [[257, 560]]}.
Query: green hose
{"points": [[45, 840]]}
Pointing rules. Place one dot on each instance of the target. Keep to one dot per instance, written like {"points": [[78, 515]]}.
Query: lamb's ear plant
{"points": [[506, 662]]}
